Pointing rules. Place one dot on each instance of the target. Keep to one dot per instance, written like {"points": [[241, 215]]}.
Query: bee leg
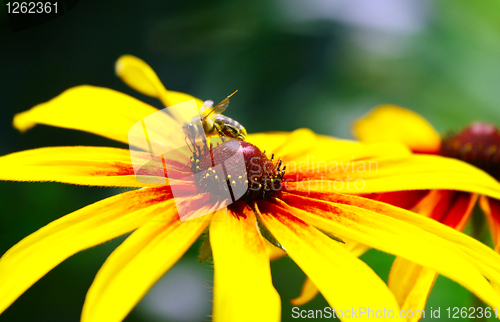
{"points": [[219, 129]]}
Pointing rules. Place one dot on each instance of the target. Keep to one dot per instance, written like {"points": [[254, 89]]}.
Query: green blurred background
{"points": [[296, 63]]}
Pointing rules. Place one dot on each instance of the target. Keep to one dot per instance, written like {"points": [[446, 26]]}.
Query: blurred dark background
{"points": [[296, 63]]}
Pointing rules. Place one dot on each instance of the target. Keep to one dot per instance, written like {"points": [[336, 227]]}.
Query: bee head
{"points": [[190, 130]]}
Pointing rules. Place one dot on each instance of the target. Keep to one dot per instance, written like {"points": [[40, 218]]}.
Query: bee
{"points": [[214, 122]]}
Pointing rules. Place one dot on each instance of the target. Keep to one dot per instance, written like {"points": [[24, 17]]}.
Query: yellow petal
{"points": [[133, 268], [304, 146], [297, 143], [401, 237], [491, 208], [343, 152], [303, 150], [484, 258], [268, 141], [394, 123], [92, 109], [243, 290], [357, 249], [273, 252], [309, 290], [413, 172], [137, 74], [411, 284], [286, 145], [34, 256], [99, 166], [338, 274], [308, 293]]}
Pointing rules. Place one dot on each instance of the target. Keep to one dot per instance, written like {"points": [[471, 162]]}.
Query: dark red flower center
{"points": [[244, 166], [478, 144]]}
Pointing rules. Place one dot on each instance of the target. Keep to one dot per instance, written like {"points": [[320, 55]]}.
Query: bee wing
{"points": [[219, 108], [206, 108], [207, 104]]}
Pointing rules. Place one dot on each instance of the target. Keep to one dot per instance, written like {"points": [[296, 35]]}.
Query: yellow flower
{"points": [[306, 214], [477, 144]]}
